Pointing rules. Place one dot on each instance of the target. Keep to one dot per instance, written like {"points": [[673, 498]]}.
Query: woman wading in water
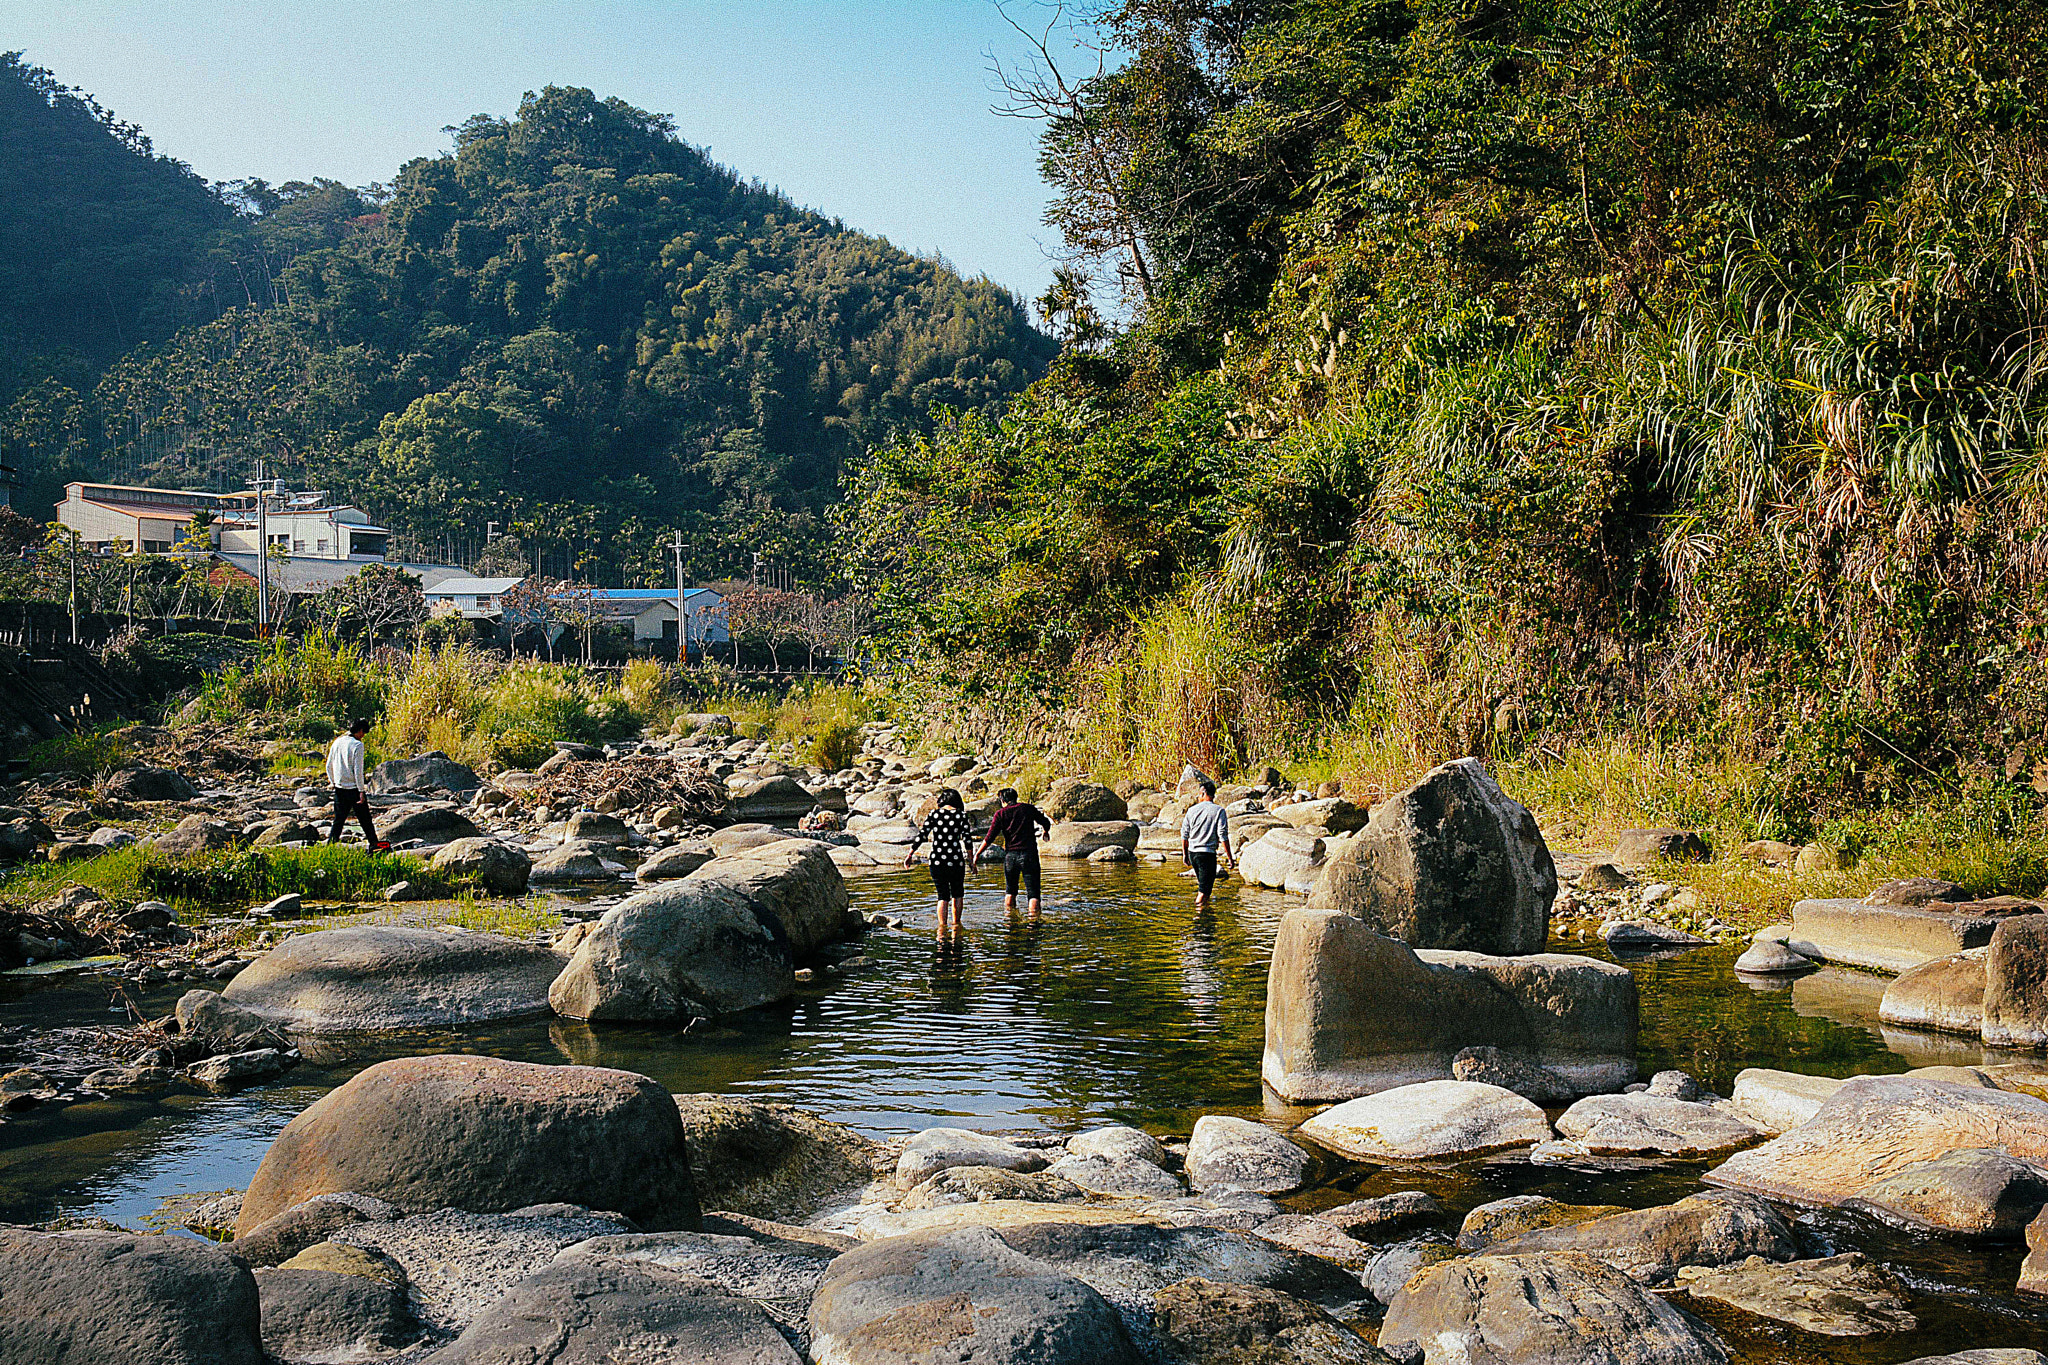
{"points": [[947, 829]]}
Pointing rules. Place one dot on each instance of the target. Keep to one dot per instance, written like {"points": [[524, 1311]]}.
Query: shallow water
{"points": [[1120, 1005]]}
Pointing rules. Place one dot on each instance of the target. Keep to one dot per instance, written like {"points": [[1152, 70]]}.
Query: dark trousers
{"points": [[348, 799], [1204, 864]]}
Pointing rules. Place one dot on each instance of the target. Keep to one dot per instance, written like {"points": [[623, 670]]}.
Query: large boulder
{"points": [[771, 1160], [1278, 855], [430, 822], [680, 950], [964, 1296], [1076, 798], [1349, 1012], [486, 1135], [1875, 1127], [1539, 1310], [431, 771], [1779, 1101], [1430, 1119], [1078, 838], [941, 1148], [1132, 1263], [1651, 1245], [793, 887], [90, 1297], [380, 976], [600, 1312], [770, 800], [1332, 813], [495, 869], [1452, 862], [1977, 1192], [2016, 984], [149, 784], [1945, 995]]}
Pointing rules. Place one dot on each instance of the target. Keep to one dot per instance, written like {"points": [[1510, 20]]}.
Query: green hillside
{"points": [[574, 324], [1507, 376]]}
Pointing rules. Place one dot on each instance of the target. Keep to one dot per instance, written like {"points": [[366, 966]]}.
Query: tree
{"points": [[372, 602], [530, 604], [771, 616]]}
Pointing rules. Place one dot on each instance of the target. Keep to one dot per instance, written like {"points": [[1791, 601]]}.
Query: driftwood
{"points": [[638, 781]]}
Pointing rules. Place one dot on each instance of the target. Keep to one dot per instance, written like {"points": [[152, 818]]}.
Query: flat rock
{"points": [[92, 1297], [1316, 1237], [1945, 995], [1655, 1125], [778, 1273], [935, 1149], [1841, 1296], [1432, 1119], [1779, 1101], [1503, 1220], [232, 1071], [960, 1295], [604, 1312], [486, 1135], [573, 864], [1874, 1127], [217, 1024], [1204, 1322], [375, 977], [1539, 1310], [284, 1235], [1373, 1218], [1645, 935], [982, 1184], [1238, 1154], [1650, 1245], [1451, 862], [2009, 1355], [771, 1160], [1278, 855], [458, 1264], [1886, 938], [1350, 1012]]}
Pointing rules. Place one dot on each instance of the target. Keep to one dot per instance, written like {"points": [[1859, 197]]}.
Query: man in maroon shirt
{"points": [[1017, 823]]}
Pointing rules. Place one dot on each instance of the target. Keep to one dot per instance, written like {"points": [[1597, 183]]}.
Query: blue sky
{"points": [[877, 113]]}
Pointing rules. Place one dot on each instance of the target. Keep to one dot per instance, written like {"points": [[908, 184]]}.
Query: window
{"points": [[298, 546], [320, 547]]}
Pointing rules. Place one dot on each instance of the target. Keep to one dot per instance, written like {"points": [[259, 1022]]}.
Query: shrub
{"points": [[836, 746], [86, 755]]}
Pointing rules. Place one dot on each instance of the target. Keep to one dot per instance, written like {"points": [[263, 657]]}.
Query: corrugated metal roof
{"points": [[481, 587], [310, 575]]}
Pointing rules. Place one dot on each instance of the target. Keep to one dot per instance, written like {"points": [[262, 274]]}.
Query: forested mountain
{"points": [[1512, 372], [573, 324]]}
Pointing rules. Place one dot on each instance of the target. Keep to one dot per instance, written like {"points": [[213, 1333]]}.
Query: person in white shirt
{"points": [[1205, 830], [345, 775]]}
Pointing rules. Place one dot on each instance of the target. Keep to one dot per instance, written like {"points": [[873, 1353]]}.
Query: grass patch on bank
{"points": [[213, 881], [507, 919]]}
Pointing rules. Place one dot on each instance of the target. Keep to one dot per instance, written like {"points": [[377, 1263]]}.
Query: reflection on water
{"points": [[1121, 1004]]}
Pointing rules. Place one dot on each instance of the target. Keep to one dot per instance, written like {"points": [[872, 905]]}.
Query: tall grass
{"points": [[91, 754], [822, 719], [318, 682]]}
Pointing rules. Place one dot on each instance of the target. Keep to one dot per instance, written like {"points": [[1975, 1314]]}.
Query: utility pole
{"points": [[71, 546], [683, 612]]}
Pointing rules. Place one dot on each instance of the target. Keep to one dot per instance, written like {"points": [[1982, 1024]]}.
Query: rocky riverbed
{"points": [[816, 1134]]}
